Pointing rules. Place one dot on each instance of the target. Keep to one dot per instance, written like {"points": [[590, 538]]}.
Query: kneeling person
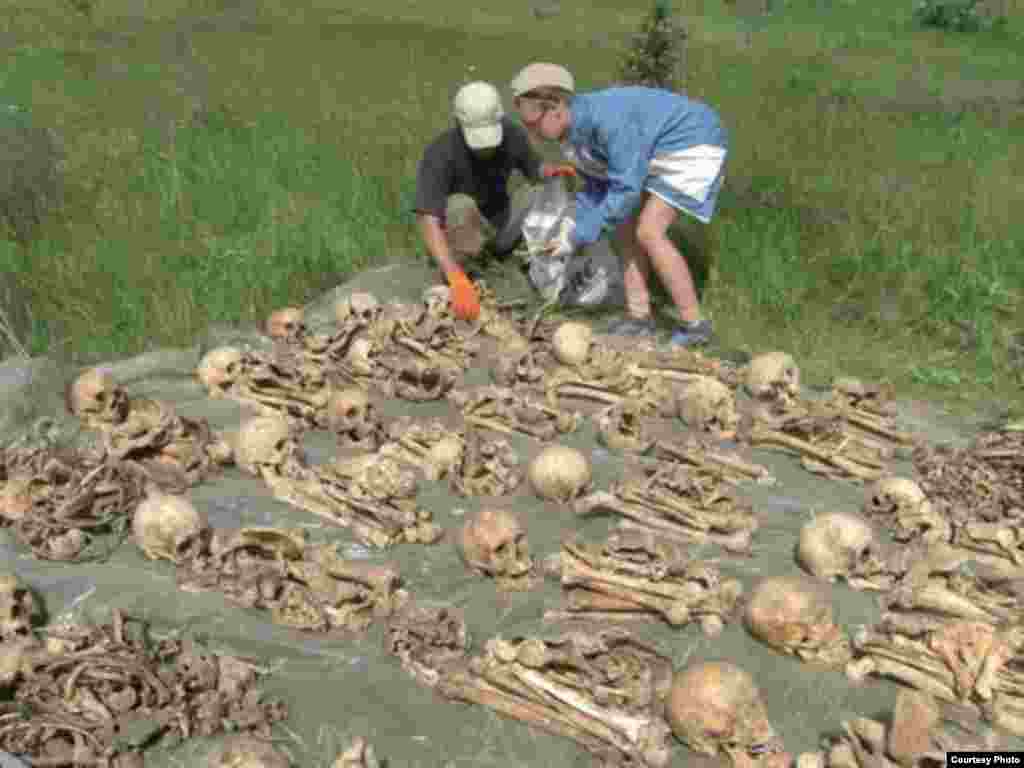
{"points": [[462, 200]]}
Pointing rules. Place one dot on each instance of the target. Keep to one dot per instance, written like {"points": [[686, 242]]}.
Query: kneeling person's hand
{"points": [[465, 299]]}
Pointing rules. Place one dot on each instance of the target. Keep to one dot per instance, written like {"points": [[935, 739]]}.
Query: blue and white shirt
{"points": [[613, 137]]}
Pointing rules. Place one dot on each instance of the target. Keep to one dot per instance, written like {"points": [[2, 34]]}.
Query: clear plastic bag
{"points": [[589, 277], [551, 211]]}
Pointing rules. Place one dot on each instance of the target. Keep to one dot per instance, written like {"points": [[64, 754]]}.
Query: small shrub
{"points": [[30, 178], [655, 55], [955, 15]]}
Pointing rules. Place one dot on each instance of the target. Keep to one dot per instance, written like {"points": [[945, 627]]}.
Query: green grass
{"points": [[867, 224]]}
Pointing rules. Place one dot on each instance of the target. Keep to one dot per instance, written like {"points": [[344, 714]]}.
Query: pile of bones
{"points": [[944, 550]]}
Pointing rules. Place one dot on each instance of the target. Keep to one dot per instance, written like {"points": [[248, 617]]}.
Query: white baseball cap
{"points": [[478, 110], [542, 74]]}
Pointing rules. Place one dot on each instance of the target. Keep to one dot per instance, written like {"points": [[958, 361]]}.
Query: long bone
{"points": [[696, 455], [761, 436]]}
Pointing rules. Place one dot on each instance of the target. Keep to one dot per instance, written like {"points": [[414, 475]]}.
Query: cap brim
{"points": [[483, 136]]}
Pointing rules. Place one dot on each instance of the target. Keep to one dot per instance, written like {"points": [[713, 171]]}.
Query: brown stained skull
{"points": [[360, 308], [773, 377], [706, 404], [219, 370], [493, 542], [353, 418], [18, 608], [838, 545], [287, 325], [97, 399], [715, 707], [793, 614], [905, 509], [164, 525], [266, 444]]}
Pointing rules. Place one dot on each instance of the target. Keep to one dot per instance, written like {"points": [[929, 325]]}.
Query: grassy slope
{"points": [[868, 217]]}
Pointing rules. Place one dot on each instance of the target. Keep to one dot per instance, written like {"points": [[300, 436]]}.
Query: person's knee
{"points": [[650, 234]]}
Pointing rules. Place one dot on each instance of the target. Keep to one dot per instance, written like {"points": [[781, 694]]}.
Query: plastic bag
{"points": [[551, 211], [589, 277]]}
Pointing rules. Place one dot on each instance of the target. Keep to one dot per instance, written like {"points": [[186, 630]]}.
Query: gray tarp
{"points": [[337, 687]]}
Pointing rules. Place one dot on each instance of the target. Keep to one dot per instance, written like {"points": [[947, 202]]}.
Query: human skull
{"points": [[18, 608], [97, 399], [571, 342], [266, 443], [164, 524], [903, 505], [288, 324], [360, 357], [353, 418], [716, 706], [706, 404], [793, 614], [838, 545], [493, 542], [219, 370], [437, 299], [15, 498], [773, 376], [360, 307]]}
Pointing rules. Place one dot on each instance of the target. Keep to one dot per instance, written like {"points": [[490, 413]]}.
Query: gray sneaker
{"points": [[633, 326], [692, 334]]}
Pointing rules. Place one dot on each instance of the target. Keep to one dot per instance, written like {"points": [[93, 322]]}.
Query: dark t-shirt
{"points": [[448, 167]]}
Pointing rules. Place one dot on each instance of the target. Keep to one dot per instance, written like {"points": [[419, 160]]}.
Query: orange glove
{"points": [[550, 171], [465, 300]]}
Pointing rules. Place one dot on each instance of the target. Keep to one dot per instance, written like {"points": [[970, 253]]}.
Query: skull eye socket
{"points": [[351, 412], [281, 444], [501, 549], [101, 397]]}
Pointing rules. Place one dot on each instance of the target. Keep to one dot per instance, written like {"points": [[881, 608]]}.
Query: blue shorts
{"points": [[689, 179]]}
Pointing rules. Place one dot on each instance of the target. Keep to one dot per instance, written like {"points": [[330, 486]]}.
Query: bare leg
{"points": [[636, 268], [656, 216]]}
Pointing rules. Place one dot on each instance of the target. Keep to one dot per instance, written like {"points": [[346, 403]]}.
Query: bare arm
{"points": [[436, 242]]}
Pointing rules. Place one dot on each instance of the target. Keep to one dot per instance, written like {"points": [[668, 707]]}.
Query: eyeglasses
{"points": [[541, 104]]}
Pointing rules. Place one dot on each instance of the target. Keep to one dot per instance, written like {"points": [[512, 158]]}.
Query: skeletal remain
{"points": [[482, 466], [493, 542], [359, 308], [431, 446], [823, 446], [967, 488], [851, 392], [958, 661], [622, 427], [793, 614], [304, 587], [903, 507], [773, 377], [504, 410], [708, 405], [560, 474], [352, 416], [678, 504], [97, 399], [414, 379], [608, 377], [165, 525], [287, 325], [266, 445], [427, 638], [19, 609], [243, 751], [220, 369], [518, 366], [637, 572], [359, 754], [571, 342], [716, 707], [295, 389], [679, 364], [598, 688], [697, 454], [838, 545]]}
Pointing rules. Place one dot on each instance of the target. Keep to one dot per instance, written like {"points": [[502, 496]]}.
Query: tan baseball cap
{"points": [[542, 75], [478, 110]]}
